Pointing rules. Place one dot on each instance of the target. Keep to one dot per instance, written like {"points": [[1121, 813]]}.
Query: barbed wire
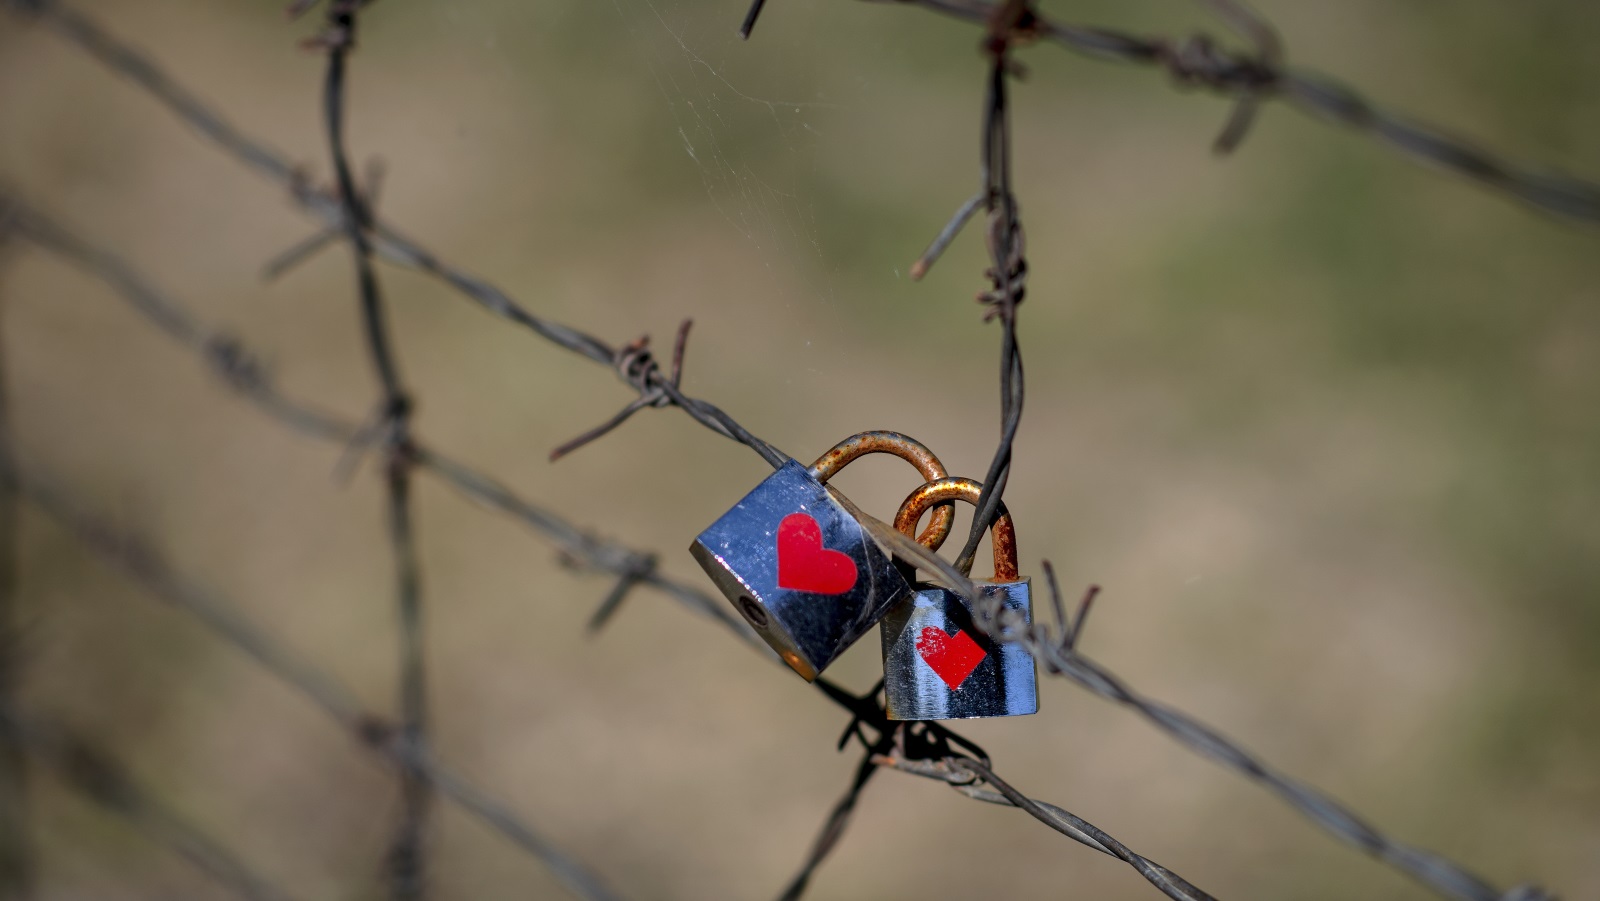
{"points": [[929, 742], [1057, 652], [406, 864], [238, 366], [924, 747], [144, 565], [160, 308], [1252, 78], [95, 773]]}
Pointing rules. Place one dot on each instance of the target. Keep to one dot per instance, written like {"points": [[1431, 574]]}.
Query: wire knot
{"points": [[234, 363], [637, 367], [1198, 61], [1007, 246]]}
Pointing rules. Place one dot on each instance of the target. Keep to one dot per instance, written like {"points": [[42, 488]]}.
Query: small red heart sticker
{"points": [[951, 657], [805, 565]]}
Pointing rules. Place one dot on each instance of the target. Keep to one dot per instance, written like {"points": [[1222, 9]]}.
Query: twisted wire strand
{"points": [[406, 868], [88, 35], [1200, 61], [97, 775], [1432, 870], [145, 566], [158, 308], [1196, 61]]}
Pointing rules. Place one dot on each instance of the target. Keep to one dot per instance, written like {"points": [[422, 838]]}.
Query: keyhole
{"points": [[752, 611]]}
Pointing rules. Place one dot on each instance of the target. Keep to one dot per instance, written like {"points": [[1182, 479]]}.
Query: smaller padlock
{"points": [[939, 662], [798, 565]]}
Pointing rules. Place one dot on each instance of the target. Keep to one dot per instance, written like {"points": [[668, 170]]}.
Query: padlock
{"points": [[797, 564], [939, 662]]}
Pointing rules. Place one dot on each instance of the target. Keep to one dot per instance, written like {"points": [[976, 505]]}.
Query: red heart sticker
{"points": [[951, 657], [805, 565]]}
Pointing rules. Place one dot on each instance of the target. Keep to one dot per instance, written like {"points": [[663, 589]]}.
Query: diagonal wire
{"points": [[1433, 870], [93, 772], [1196, 61], [960, 773], [1200, 61], [1187, 731], [573, 542], [234, 362], [86, 34], [146, 567], [613, 558], [832, 829]]}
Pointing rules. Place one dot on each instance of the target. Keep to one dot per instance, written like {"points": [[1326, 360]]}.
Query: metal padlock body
{"points": [[797, 564], [939, 663]]}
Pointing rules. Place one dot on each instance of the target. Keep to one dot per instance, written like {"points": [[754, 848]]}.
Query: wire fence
{"points": [[345, 212]]}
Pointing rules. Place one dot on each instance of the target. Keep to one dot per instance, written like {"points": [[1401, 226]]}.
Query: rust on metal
{"points": [[1003, 534], [906, 448]]}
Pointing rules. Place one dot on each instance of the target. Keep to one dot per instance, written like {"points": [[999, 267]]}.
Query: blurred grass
{"points": [[1320, 421]]}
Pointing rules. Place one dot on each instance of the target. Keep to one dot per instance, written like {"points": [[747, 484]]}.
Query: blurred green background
{"points": [[1324, 424]]}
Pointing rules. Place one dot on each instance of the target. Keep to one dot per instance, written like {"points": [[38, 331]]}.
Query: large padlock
{"points": [[798, 565], [939, 662]]}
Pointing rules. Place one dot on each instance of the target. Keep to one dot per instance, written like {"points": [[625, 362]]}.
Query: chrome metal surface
{"points": [[939, 662], [800, 569], [960, 672]]}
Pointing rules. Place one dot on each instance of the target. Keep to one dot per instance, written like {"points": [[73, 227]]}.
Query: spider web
{"points": [[753, 154]]}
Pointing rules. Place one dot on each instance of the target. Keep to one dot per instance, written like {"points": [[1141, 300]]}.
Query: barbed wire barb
{"points": [[1433, 870], [1199, 61], [485, 490], [941, 242], [407, 860], [1269, 57], [1008, 268], [308, 247], [750, 17], [921, 749]]}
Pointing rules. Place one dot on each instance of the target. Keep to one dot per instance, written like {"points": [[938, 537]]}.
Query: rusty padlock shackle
{"points": [[906, 448], [953, 488]]}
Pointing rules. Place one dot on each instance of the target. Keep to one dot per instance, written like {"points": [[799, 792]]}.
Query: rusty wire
{"points": [[1198, 61], [928, 743], [1008, 263]]}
